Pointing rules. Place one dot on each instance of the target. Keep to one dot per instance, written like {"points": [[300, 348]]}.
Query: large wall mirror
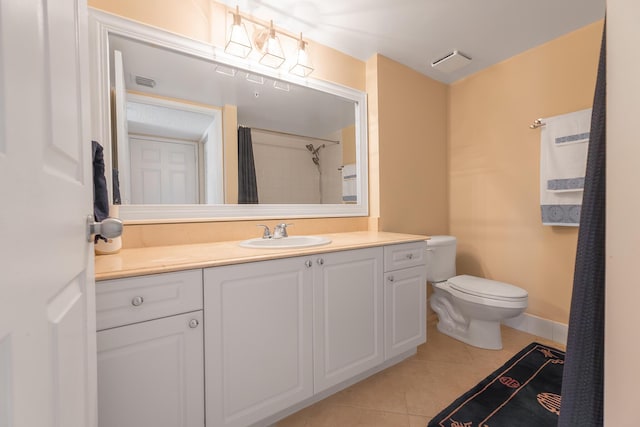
{"points": [[182, 123]]}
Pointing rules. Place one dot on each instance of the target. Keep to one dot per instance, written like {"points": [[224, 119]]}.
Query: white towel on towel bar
{"points": [[349, 184], [563, 160]]}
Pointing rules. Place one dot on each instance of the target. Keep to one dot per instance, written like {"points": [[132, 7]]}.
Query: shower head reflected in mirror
{"points": [[313, 150], [314, 153]]}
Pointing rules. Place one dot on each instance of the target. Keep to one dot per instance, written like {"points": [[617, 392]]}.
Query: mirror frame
{"points": [[103, 24]]}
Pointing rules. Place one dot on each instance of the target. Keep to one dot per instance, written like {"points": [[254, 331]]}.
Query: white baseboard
{"points": [[545, 328]]}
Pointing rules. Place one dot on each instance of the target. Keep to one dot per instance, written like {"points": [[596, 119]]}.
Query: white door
{"points": [[47, 335], [163, 171]]}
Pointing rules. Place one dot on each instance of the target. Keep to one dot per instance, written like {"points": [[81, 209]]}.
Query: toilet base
{"points": [[470, 322], [478, 333]]}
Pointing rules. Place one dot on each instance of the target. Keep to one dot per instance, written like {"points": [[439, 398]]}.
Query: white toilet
{"points": [[469, 308]]}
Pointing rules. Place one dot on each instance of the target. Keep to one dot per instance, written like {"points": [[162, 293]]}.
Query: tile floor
{"points": [[410, 393]]}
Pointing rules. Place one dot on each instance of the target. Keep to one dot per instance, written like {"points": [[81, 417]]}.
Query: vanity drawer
{"points": [[404, 255], [124, 301]]}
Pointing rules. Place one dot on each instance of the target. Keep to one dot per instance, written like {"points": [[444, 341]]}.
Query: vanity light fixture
{"points": [[281, 85], [267, 43], [303, 66], [239, 43], [255, 78], [227, 71]]}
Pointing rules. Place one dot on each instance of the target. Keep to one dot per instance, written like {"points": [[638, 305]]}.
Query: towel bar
{"points": [[536, 124]]}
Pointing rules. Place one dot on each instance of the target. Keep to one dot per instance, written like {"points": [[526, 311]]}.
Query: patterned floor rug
{"points": [[524, 392]]}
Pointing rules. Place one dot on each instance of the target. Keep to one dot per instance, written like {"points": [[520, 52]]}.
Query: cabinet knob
{"points": [[320, 261], [193, 323], [390, 278], [409, 256], [308, 263], [137, 301]]}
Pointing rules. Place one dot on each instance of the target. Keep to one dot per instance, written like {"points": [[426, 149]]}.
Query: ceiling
{"points": [[418, 32]]}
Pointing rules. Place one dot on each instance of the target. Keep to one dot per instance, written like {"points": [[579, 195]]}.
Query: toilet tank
{"points": [[441, 258]]}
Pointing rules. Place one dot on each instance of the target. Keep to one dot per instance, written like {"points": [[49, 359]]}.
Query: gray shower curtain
{"points": [[247, 184], [583, 378]]}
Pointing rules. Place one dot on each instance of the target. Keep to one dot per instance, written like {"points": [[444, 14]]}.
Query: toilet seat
{"points": [[486, 289]]}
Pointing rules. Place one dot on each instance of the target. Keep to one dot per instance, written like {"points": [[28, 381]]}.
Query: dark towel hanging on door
{"points": [[100, 195]]}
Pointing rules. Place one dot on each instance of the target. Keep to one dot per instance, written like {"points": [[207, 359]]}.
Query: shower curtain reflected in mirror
{"points": [[247, 183]]}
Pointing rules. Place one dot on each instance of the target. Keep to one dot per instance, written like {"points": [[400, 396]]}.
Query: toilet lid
{"points": [[487, 288]]}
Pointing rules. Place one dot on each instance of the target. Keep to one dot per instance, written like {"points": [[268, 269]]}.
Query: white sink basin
{"points": [[285, 242]]}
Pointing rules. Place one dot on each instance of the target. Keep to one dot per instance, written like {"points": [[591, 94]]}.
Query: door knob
{"points": [[109, 228]]}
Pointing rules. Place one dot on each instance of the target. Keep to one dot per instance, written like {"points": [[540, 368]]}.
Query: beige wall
{"points": [[374, 142], [190, 18], [494, 167], [348, 141], [411, 137], [622, 350], [147, 235], [230, 135]]}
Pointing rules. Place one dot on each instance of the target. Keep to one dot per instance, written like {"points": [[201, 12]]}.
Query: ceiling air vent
{"points": [[145, 81], [451, 62]]}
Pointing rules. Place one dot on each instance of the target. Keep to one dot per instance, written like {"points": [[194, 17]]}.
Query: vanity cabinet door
{"points": [[348, 315], [404, 310], [152, 373], [258, 342]]}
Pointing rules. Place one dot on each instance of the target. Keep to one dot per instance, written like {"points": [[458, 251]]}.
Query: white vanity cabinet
{"points": [[348, 315], [150, 351], [405, 300], [248, 343], [279, 331], [258, 340]]}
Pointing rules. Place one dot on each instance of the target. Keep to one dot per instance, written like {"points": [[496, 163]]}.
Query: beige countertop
{"points": [[162, 259]]}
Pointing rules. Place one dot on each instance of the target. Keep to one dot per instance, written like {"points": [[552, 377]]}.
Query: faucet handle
{"points": [[281, 230], [267, 233]]}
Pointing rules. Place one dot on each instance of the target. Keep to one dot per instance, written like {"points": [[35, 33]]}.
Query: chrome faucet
{"points": [[280, 231]]}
